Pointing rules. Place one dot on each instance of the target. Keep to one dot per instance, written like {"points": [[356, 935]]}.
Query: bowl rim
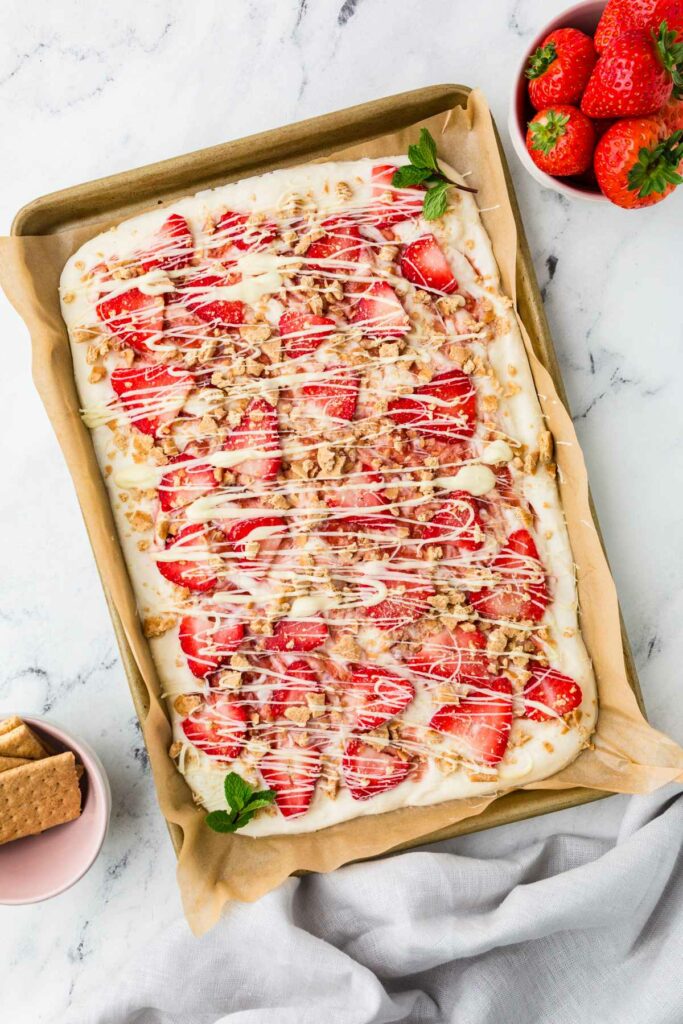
{"points": [[97, 777], [518, 134]]}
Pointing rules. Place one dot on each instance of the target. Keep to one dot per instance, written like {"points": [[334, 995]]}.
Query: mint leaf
{"points": [[220, 821], [436, 201], [424, 153], [265, 799], [409, 175], [237, 791]]}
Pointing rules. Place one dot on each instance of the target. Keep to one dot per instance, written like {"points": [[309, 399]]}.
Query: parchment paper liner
{"points": [[627, 755]]}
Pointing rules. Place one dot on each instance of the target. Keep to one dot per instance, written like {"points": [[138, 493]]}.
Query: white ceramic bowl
{"points": [[584, 16]]}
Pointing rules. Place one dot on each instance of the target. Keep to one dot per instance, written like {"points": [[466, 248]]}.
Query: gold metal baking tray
{"points": [[123, 195]]}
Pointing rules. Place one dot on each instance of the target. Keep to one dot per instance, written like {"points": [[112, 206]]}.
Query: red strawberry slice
{"points": [[522, 592], [333, 396], [291, 771], [208, 641], [374, 696], [136, 319], [291, 683], [368, 772], [303, 333], [152, 395], [424, 263], [458, 655], [182, 328], [443, 409], [267, 531], [482, 720], [193, 573], [188, 482], [358, 491], [558, 693], [396, 204], [407, 601], [201, 299], [258, 435], [456, 527], [234, 229], [343, 243], [218, 726], [379, 313], [297, 635], [172, 246]]}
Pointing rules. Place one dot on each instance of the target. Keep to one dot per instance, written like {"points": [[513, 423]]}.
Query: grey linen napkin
{"points": [[560, 930]]}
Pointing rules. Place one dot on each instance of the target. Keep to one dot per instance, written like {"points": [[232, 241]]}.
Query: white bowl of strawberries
{"points": [[597, 112]]}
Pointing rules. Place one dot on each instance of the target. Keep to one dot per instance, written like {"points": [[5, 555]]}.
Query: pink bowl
{"points": [[584, 16], [38, 867]]}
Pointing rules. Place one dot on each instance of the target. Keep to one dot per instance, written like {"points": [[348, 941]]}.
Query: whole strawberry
{"points": [[670, 117], [621, 16], [634, 167], [635, 76], [670, 11], [559, 69], [560, 140]]}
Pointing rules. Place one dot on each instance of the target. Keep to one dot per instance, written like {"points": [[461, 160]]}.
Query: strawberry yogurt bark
{"points": [[335, 494]]}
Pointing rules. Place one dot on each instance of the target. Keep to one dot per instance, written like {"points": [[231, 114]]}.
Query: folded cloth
{"points": [[556, 931]]}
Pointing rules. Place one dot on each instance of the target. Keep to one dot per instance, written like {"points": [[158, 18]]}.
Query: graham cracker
{"points": [[38, 795], [6, 724], [21, 741], [11, 762]]}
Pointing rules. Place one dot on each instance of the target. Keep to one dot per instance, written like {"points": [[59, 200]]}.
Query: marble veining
{"points": [[83, 96]]}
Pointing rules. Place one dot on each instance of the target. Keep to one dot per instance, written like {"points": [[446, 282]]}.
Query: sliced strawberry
{"points": [[292, 684], [379, 313], [333, 396], [457, 526], [424, 263], [200, 299], [208, 641], [291, 771], [522, 593], [302, 333], [374, 696], [234, 229], [172, 246], [444, 409], [395, 204], [184, 329], [267, 531], [358, 491], [368, 772], [482, 720], [193, 573], [458, 655], [297, 635], [343, 243], [218, 726], [558, 693], [258, 435], [178, 487], [136, 319], [152, 395], [406, 601]]}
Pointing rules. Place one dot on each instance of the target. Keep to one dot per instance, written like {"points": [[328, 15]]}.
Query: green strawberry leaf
{"points": [[657, 168], [436, 201], [540, 60], [237, 791]]}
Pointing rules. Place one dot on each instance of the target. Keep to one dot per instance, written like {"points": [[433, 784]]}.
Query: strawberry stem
{"points": [[669, 52], [657, 168], [546, 133], [540, 60]]}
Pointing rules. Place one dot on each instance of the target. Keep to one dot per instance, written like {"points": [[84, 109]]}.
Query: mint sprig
{"points": [[424, 169], [244, 802]]}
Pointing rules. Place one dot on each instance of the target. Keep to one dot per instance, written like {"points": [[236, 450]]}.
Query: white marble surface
{"points": [[88, 89]]}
